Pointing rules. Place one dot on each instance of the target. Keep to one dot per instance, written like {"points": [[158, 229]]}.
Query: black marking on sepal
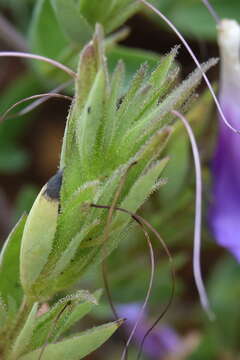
{"points": [[54, 186]]}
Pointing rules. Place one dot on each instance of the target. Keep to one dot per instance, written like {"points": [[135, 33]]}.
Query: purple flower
{"points": [[225, 210], [162, 341]]}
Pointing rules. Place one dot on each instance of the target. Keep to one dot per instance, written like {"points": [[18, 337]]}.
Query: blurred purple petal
{"points": [[225, 210], [161, 341]]}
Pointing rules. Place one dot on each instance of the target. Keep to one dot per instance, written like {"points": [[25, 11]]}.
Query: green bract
{"points": [[107, 131]]}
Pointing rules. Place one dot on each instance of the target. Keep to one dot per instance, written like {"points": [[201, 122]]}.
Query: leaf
{"points": [[122, 11], [37, 238], [78, 312], [95, 11], [25, 334], [110, 13], [9, 268], [72, 23], [78, 346], [46, 38], [61, 317]]}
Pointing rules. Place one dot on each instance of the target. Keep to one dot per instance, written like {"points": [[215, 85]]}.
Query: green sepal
{"points": [[88, 126], [159, 115], [37, 239], [146, 184], [73, 214], [69, 260]]}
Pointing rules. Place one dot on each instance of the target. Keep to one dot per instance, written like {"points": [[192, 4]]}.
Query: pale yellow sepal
{"points": [[37, 238]]}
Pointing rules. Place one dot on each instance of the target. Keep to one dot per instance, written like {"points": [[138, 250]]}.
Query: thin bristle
{"points": [[45, 95], [143, 308], [40, 101], [198, 217], [40, 58]]}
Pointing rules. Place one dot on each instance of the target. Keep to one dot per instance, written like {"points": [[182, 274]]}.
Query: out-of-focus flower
{"points": [[161, 341], [225, 210]]}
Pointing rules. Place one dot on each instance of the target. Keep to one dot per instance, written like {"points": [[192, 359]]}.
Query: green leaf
{"points": [[10, 287], [78, 346], [95, 11], [202, 25], [122, 11], [110, 13], [72, 23], [46, 38], [25, 335], [61, 317], [85, 305]]}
